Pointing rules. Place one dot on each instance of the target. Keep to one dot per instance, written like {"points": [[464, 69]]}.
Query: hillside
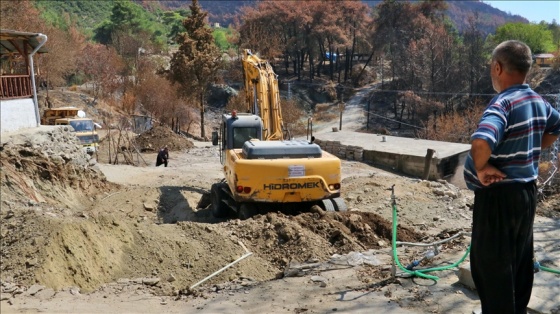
{"points": [[89, 14], [458, 12], [86, 14], [490, 18]]}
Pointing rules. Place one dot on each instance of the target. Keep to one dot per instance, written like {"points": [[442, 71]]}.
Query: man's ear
{"points": [[499, 67]]}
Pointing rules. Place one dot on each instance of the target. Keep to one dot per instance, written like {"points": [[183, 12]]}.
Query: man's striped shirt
{"points": [[513, 125]]}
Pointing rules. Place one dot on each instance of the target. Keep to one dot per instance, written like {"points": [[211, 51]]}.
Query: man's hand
{"points": [[489, 174], [548, 140]]}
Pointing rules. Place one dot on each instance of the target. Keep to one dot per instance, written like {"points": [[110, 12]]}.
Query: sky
{"points": [[534, 11]]}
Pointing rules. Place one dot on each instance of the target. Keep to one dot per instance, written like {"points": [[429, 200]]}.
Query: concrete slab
{"points": [[405, 155], [395, 145]]}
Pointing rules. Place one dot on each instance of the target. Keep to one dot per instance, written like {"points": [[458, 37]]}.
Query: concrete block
{"points": [[465, 276]]}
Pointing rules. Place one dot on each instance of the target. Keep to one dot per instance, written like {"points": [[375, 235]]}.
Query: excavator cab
{"points": [[238, 128]]}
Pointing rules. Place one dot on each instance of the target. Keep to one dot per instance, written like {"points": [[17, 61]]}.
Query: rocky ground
{"points": [[85, 236]]}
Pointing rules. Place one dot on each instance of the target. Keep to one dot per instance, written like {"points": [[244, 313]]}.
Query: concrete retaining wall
{"points": [[449, 168], [17, 114]]}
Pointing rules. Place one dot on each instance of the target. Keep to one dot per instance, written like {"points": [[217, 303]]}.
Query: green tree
{"points": [[173, 20], [221, 38], [195, 65], [555, 29], [131, 30], [131, 19], [84, 14], [537, 36]]}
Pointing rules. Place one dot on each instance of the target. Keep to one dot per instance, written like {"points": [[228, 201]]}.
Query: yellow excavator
{"points": [[264, 168]]}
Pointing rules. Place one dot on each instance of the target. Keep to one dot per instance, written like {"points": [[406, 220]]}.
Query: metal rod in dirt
{"points": [[222, 269], [437, 242]]}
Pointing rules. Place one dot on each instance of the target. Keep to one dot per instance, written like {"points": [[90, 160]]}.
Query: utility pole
{"points": [[381, 70], [367, 121], [340, 97], [341, 109], [289, 90]]}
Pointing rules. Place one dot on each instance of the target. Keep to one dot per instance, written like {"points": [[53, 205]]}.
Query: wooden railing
{"points": [[15, 86]]}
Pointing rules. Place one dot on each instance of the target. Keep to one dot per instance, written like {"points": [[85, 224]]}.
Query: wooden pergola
{"points": [[16, 59]]}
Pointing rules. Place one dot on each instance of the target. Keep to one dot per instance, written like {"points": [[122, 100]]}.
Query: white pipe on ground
{"points": [[221, 270]]}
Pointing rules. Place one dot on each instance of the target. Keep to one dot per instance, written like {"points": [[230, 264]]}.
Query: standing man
{"points": [[502, 168]]}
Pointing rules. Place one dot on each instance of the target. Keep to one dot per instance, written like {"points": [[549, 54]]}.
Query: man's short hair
{"points": [[513, 55]]}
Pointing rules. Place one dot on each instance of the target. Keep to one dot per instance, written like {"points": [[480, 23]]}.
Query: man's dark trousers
{"points": [[502, 246]]}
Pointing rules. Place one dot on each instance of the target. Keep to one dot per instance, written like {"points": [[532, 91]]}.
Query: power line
{"points": [[393, 120], [414, 91], [404, 123]]}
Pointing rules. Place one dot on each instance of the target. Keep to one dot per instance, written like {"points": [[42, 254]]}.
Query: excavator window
{"points": [[241, 135]]}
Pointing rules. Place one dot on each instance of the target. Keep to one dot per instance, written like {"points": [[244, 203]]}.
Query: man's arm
{"points": [[480, 152], [548, 140]]}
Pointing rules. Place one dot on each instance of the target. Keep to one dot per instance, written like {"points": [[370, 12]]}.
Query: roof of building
{"points": [[20, 42], [544, 55]]}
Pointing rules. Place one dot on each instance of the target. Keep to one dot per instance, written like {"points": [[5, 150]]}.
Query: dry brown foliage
{"points": [[129, 102], [237, 103], [60, 61], [63, 46], [325, 112], [416, 107], [103, 67], [455, 127], [292, 115]]}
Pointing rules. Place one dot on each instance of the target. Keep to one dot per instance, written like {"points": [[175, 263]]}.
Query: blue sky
{"points": [[534, 11]]}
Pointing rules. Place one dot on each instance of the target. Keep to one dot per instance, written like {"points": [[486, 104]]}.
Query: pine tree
{"points": [[195, 65]]}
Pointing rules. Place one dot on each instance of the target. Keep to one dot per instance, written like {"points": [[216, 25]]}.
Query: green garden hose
{"points": [[420, 272], [554, 271]]}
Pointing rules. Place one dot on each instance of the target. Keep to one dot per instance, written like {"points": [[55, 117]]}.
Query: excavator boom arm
{"points": [[263, 96]]}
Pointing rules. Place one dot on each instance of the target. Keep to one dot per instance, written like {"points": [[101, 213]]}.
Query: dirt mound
{"points": [[160, 136], [45, 176], [48, 166], [65, 225], [119, 240], [281, 239]]}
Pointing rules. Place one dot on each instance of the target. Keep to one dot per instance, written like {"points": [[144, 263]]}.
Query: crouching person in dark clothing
{"points": [[162, 157]]}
